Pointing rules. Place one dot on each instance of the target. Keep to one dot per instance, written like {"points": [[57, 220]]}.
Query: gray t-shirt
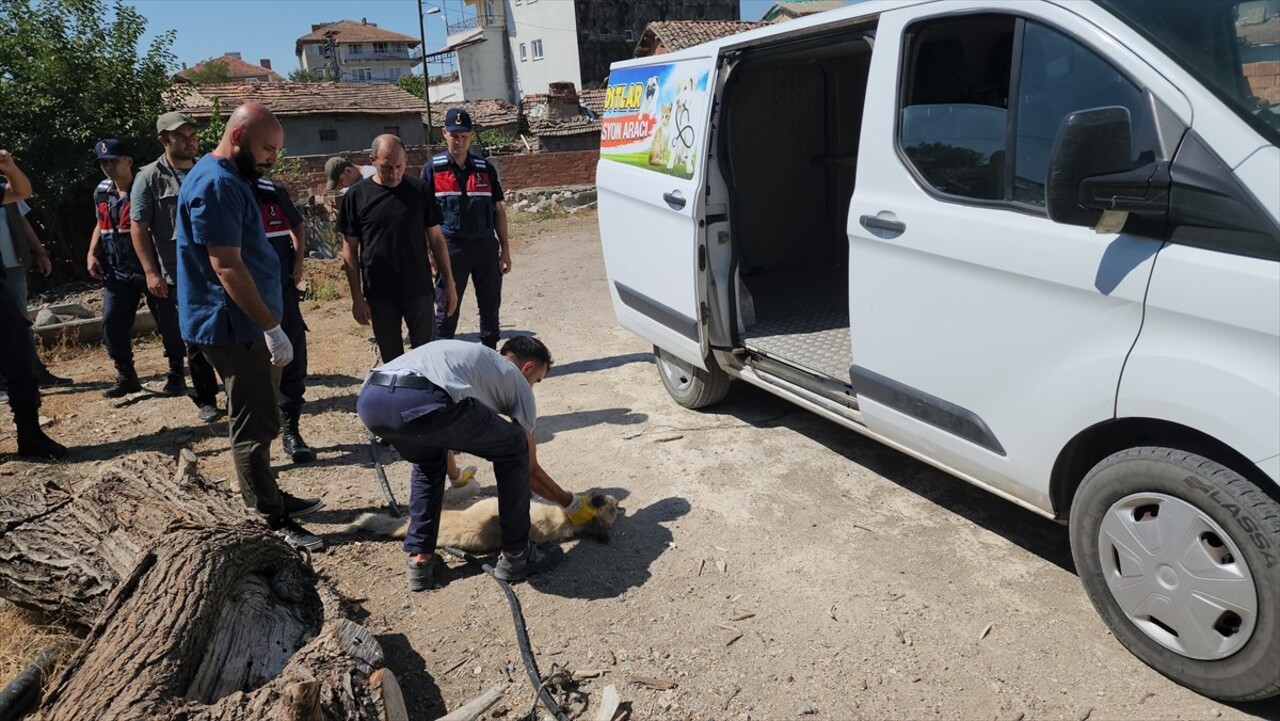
{"points": [[470, 370]]}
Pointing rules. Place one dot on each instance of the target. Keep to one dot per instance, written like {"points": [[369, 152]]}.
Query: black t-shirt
{"points": [[391, 225]]}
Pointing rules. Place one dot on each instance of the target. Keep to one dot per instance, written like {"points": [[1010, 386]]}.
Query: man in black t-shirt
{"points": [[382, 220]]}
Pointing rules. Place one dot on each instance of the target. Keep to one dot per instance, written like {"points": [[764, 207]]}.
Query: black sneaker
{"points": [[49, 380], [421, 573], [208, 413], [174, 385], [298, 507], [122, 387], [534, 559], [296, 535]]}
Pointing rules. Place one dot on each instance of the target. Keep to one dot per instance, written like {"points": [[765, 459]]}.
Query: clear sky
{"points": [[260, 29]]}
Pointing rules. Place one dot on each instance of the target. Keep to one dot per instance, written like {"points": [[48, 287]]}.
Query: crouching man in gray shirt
{"points": [[448, 395]]}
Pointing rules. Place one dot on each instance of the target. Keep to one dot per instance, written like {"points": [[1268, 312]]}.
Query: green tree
{"points": [[71, 72], [211, 71], [411, 84], [301, 76], [210, 134]]}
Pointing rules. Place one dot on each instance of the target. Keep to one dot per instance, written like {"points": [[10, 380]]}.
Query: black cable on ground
{"points": [[522, 634], [21, 695]]}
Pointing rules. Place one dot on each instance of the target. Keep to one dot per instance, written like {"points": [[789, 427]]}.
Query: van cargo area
{"points": [[791, 118]]}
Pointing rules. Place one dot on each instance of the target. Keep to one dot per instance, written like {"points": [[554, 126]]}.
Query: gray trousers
{"points": [[253, 419]]}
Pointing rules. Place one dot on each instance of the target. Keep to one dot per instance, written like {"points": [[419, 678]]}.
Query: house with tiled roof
{"points": [[792, 9], [668, 36], [318, 118], [490, 114], [238, 71], [560, 120], [356, 51]]}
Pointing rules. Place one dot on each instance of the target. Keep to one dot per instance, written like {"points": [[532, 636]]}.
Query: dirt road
{"points": [[770, 564]]}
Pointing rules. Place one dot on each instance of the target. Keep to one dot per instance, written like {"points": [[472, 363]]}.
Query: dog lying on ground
{"points": [[476, 528]]}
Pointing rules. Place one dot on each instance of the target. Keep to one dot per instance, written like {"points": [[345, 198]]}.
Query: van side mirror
{"points": [[1089, 143]]}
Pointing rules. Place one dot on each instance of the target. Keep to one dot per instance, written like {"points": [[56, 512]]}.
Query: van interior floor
{"points": [[802, 318]]}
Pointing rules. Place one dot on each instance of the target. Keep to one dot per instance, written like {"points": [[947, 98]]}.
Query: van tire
{"points": [[691, 387], [1215, 522]]}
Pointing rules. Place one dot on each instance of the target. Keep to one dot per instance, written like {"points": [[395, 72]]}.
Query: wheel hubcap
{"points": [[1177, 575], [678, 377]]}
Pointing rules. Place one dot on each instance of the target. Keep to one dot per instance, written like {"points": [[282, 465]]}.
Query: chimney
{"points": [[234, 55], [266, 63], [562, 101], [364, 21], [184, 66]]}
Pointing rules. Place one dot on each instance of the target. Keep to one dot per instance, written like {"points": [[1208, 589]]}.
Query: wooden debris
{"points": [[702, 562], [742, 617], [733, 640], [832, 612], [667, 439], [720, 564], [661, 684], [608, 704], [592, 673], [985, 631], [471, 710]]}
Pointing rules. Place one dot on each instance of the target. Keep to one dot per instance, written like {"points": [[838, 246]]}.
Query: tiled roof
{"points": [[351, 31], [571, 126], [237, 69], [297, 98], [788, 9], [593, 99], [1262, 33], [484, 113], [680, 34]]}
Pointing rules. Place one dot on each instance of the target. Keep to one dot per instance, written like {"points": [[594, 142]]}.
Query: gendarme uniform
{"points": [[468, 198], [279, 216]]}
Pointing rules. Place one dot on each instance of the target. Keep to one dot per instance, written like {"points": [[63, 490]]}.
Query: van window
{"points": [[961, 97], [1232, 46]]}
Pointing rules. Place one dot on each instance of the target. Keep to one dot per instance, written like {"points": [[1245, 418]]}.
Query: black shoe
{"points": [[174, 385], [296, 535], [421, 573], [534, 559], [298, 507], [208, 413], [122, 387], [49, 380], [296, 448], [35, 444]]}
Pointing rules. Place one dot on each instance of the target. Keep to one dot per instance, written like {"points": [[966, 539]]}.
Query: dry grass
{"points": [[23, 635]]}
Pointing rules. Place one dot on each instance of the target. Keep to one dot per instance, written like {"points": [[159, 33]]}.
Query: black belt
{"points": [[400, 380]]}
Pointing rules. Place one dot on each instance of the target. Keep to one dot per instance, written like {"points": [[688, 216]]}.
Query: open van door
{"points": [[652, 168]]}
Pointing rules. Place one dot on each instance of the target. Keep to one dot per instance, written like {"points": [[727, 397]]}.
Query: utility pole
{"points": [[331, 52], [426, 76]]}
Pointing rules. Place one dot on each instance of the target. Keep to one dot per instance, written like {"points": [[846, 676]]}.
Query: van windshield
{"points": [[1232, 46]]}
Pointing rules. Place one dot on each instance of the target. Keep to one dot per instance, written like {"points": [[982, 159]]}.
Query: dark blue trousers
{"points": [[120, 298], [423, 425], [17, 360], [293, 379], [476, 259]]}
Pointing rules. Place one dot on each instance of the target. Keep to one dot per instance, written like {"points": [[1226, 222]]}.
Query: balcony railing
{"points": [[479, 21]]}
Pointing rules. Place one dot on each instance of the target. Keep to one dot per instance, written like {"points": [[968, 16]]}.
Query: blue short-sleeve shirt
{"points": [[216, 207]]}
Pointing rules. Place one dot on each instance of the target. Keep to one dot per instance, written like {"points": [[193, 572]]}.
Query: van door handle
{"points": [[674, 199], [871, 222]]}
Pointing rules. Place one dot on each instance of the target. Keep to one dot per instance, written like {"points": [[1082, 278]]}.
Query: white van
{"points": [[1034, 243]]}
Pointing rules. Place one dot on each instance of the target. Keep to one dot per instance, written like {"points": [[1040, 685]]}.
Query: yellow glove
{"points": [[580, 511]]}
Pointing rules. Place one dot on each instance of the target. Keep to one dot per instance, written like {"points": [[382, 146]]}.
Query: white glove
{"points": [[279, 346]]}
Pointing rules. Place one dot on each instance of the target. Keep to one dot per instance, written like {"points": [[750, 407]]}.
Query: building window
{"points": [[379, 47], [630, 36], [328, 136], [394, 73], [392, 129], [355, 49], [536, 48], [524, 53]]}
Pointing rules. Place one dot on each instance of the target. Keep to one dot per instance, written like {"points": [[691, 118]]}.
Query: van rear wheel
{"points": [[691, 387], [1180, 555]]}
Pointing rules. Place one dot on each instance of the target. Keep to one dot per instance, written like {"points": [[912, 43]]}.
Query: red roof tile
{"points": [[237, 69], [296, 98], [351, 31], [680, 34]]}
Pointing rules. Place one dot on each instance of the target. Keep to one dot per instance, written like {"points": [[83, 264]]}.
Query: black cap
{"points": [[457, 120], [110, 149]]}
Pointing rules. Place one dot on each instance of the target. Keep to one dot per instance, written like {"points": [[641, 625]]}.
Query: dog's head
{"points": [[600, 528]]}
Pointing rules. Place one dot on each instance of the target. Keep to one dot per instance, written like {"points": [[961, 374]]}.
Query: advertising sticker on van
{"points": [[651, 116]]}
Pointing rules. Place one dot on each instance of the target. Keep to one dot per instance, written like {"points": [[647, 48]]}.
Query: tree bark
{"points": [[66, 542], [212, 618]]}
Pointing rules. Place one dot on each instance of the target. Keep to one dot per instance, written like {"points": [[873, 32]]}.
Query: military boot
{"points": [[32, 441], [296, 448], [126, 383]]}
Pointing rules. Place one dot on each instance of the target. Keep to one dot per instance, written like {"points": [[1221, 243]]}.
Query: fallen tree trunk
{"points": [[213, 618], [66, 542]]}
